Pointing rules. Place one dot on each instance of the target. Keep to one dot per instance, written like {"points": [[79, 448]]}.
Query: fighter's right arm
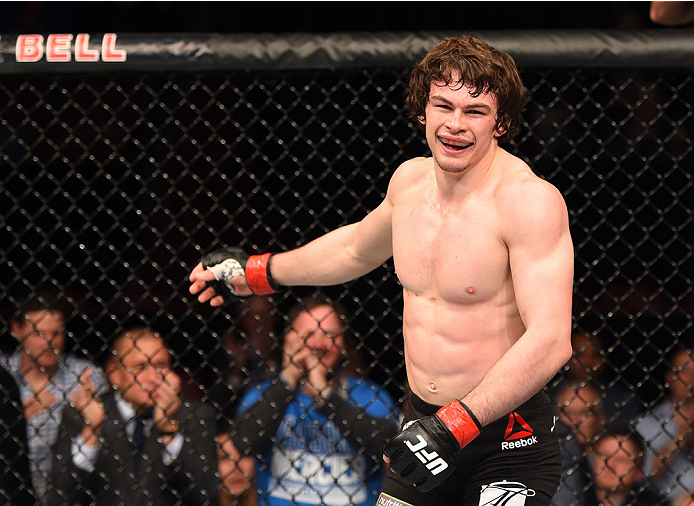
{"points": [[336, 257], [341, 255]]}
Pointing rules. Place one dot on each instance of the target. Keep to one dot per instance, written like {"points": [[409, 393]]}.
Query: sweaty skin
{"points": [[481, 246]]}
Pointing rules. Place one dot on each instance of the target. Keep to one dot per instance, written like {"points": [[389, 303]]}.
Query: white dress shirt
{"points": [[85, 456]]}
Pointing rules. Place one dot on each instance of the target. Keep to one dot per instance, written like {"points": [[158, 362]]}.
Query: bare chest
{"points": [[458, 256]]}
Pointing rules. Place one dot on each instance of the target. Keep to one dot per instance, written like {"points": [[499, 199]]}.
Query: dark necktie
{"points": [[139, 441]]}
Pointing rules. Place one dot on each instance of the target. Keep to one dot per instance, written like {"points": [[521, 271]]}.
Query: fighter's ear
{"points": [[500, 131], [421, 119]]}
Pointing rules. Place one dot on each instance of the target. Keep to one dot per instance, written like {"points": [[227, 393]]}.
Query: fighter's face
{"points": [[460, 128]]}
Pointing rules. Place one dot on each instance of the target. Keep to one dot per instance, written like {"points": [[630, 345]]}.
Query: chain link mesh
{"points": [[114, 186]]}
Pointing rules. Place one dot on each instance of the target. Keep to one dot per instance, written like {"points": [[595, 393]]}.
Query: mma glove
{"points": [[227, 263], [425, 452]]}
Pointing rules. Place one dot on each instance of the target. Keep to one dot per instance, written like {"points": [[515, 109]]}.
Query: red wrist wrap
{"points": [[257, 275], [460, 421]]}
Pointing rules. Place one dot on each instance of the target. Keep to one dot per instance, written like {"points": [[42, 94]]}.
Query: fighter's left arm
{"points": [[535, 228]]}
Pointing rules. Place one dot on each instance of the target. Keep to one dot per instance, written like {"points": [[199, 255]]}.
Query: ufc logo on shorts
{"points": [[432, 461]]}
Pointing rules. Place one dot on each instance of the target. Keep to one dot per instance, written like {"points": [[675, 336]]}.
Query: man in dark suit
{"points": [[15, 481], [139, 444]]}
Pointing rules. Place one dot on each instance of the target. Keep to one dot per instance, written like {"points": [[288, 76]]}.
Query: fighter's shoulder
{"points": [[520, 188], [409, 174]]}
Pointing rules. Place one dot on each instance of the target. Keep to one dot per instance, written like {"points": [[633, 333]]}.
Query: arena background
{"points": [[117, 177], [317, 17]]}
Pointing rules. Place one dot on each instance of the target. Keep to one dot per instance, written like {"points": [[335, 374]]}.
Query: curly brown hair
{"points": [[480, 67]]}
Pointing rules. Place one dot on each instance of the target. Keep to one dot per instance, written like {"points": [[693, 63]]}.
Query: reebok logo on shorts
{"points": [[505, 493], [519, 433]]}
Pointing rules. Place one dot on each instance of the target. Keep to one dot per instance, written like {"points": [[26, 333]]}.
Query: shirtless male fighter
{"points": [[481, 246]]}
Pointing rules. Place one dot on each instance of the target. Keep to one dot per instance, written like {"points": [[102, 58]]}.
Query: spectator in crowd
{"points": [[259, 323], [588, 364], [237, 474], [580, 421], [318, 431], [15, 481], [617, 458], [139, 443], [249, 354], [580, 408], [46, 376], [668, 431]]}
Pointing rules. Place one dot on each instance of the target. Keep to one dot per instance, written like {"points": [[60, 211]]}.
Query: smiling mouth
{"points": [[455, 145]]}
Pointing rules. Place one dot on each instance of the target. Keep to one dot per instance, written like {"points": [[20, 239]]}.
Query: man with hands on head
{"points": [[482, 248], [139, 443], [318, 431]]}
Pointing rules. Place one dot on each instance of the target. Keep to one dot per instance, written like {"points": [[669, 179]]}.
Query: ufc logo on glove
{"points": [[436, 441], [433, 462]]}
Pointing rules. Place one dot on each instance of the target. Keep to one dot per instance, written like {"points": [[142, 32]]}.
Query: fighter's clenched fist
{"points": [[424, 453], [230, 272]]}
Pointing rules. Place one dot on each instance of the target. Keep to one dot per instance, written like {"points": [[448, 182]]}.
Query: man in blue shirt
{"points": [[318, 432]]}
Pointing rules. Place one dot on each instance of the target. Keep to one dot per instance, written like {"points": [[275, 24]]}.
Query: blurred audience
{"points": [[588, 364], [580, 422], [237, 473], [250, 352], [317, 431], [46, 376], [259, 323], [580, 408], [668, 431], [15, 481], [140, 442], [617, 458]]}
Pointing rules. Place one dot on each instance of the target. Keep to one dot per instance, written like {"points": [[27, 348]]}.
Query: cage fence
{"points": [[118, 176]]}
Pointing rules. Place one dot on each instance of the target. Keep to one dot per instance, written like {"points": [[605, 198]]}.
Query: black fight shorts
{"points": [[515, 461]]}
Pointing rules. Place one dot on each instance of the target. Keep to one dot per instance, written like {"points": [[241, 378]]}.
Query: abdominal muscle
{"points": [[449, 347]]}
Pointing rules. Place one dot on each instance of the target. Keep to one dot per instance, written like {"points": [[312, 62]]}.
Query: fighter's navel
{"points": [[432, 387]]}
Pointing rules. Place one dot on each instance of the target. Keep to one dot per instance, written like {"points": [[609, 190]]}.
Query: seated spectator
{"points": [[318, 432], [46, 376], [668, 431], [617, 458], [589, 364], [249, 353], [259, 323], [139, 443], [580, 422], [580, 409], [237, 473], [15, 481]]}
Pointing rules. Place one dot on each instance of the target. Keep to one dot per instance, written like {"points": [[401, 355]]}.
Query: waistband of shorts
{"points": [[539, 400]]}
